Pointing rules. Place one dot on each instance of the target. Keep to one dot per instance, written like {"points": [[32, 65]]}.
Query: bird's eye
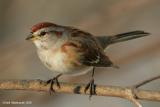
{"points": [[42, 33]]}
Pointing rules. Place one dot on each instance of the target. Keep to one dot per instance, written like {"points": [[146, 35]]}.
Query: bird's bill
{"points": [[31, 37]]}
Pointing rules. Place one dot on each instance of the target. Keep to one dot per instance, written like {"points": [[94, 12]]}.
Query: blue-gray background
{"points": [[138, 59]]}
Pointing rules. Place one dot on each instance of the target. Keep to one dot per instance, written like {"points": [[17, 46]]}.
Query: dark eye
{"points": [[42, 33]]}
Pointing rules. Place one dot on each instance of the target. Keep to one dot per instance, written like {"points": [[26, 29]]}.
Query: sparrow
{"points": [[69, 50]]}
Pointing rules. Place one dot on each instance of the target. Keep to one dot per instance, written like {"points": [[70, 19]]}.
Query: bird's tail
{"points": [[107, 40], [127, 36]]}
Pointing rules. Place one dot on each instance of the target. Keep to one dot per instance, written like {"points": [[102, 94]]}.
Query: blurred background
{"points": [[138, 59]]}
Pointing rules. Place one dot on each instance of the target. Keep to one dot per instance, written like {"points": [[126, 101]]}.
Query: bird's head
{"points": [[45, 34]]}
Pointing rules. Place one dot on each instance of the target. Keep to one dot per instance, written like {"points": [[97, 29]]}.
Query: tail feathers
{"points": [[127, 36]]}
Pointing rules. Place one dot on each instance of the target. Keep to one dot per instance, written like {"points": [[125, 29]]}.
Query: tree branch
{"points": [[146, 81], [114, 91]]}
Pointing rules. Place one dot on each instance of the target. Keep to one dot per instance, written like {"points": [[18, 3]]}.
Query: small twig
{"points": [[114, 91], [135, 87], [146, 81], [133, 98]]}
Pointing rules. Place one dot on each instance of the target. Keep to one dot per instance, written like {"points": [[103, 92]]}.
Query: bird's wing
{"points": [[92, 52], [104, 41]]}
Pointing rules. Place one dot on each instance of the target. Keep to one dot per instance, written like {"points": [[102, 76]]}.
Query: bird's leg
{"points": [[91, 86], [53, 81]]}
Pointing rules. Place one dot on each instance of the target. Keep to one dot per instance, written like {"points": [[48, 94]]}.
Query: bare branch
{"points": [[114, 91], [146, 81]]}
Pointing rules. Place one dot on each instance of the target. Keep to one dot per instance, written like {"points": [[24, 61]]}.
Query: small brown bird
{"points": [[68, 50]]}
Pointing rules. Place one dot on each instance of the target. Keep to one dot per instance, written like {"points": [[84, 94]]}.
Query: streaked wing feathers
{"points": [[92, 54]]}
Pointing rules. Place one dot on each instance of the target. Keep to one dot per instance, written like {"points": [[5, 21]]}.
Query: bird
{"points": [[68, 50]]}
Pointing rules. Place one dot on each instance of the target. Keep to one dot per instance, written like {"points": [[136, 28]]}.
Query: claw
{"points": [[87, 87], [91, 86], [49, 81], [57, 83], [51, 90], [52, 82]]}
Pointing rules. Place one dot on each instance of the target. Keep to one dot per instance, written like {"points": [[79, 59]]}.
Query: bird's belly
{"points": [[62, 63]]}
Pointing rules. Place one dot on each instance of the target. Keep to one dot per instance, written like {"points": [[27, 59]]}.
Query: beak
{"points": [[30, 37]]}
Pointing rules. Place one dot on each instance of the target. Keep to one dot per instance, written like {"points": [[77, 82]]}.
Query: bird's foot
{"points": [[91, 87], [52, 82]]}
